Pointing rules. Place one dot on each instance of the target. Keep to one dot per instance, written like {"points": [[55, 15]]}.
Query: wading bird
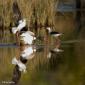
{"points": [[53, 33], [57, 42]]}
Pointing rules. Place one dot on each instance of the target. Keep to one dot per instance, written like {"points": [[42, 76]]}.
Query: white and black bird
{"points": [[21, 25], [53, 33]]}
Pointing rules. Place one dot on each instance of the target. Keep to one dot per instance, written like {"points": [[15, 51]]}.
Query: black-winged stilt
{"points": [[53, 33]]}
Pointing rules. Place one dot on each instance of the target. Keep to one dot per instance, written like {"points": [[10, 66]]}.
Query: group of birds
{"points": [[27, 37]]}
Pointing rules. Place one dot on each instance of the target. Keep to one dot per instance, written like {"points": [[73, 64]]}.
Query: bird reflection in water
{"points": [[27, 53], [27, 50], [56, 49]]}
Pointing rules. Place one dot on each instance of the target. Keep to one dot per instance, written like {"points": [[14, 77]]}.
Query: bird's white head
{"points": [[22, 20], [49, 29]]}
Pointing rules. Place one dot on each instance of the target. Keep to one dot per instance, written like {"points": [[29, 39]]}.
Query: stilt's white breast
{"points": [[27, 38]]}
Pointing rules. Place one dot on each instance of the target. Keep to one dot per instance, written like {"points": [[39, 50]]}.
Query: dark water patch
{"points": [[8, 45], [55, 61]]}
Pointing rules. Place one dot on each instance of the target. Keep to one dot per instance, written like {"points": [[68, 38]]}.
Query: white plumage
{"points": [[22, 66], [27, 38], [22, 23], [14, 30], [57, 50], [53, 33], [31, 33], [28, 52]]}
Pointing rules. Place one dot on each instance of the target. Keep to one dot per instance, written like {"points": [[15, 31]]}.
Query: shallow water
{"points": [[63, 68]]}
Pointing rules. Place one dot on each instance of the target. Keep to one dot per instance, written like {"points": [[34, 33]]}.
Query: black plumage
{"points": [[23, 60], [54, 32]]}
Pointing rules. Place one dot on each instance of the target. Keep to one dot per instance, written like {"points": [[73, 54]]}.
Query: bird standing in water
{"points": [[56, 35], [53, 33]]}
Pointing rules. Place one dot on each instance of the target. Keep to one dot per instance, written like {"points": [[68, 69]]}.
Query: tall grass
{"points": [[40, 11], [43, 9]]}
